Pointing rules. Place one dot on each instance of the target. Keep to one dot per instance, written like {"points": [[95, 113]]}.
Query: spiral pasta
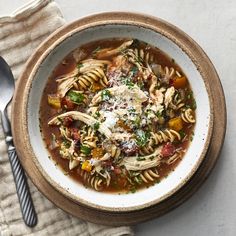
{"points": [[187, 116], [145, 57], [94, 181], [86, 80], [164, 136], [149, 175]]}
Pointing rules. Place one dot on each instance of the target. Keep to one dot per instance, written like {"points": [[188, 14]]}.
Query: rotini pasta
{"points": [[187, 116]]}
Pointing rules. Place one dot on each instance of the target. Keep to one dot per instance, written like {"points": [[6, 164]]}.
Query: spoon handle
{"points": [[22, 188]]}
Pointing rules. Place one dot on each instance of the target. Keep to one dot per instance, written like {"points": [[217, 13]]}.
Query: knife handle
{"points": [[22, 188]]}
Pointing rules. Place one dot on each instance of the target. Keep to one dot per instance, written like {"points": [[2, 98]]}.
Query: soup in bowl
{"points": [[119, 116]]}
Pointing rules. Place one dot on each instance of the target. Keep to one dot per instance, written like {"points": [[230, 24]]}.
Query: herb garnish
{"points": [[106, 95], [75, 96], [79, 66], [85, 150], [182, 134], [96, 125], [142, 137]]}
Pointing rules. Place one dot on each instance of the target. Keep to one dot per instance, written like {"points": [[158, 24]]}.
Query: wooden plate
{"points": [[120, 218]]}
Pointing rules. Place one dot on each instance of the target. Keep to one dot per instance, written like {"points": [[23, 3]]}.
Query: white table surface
{"points": [[212, 210]]}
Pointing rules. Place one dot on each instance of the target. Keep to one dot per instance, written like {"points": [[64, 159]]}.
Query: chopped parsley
{"points": [[182, 134], [96, 125], [97, 114], [142, 137], [75, 96], [128, 82], [159, 114], [85, 150], [79, 66], [106, 95], [194, 104]]}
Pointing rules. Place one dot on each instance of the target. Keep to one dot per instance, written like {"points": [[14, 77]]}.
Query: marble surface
{"points": [[212, 24]]}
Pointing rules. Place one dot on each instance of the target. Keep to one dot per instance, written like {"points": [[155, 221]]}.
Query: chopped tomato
{"points": [[67, 121], [67, 103], [168, 150], [75, 134]]}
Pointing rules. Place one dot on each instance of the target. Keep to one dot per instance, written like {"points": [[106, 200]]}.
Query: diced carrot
{"points": [[176, 123], [54, 101], [97, 152], [179, 82], [86, 166]]}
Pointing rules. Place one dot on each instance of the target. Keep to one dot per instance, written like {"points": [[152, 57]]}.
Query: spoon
{"points": [[7, 87]]}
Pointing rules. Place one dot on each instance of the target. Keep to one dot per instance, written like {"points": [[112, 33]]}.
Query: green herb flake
{"points": [[85, 150], [79, 66], [75, 97], [159, 114], [182, 134], [97, 114], [142, 137], [194, 104], [96, 125], [106, 95], [129, 83]]}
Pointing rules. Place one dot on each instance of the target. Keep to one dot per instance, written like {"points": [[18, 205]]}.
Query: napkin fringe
{"points": [[24, 11]]}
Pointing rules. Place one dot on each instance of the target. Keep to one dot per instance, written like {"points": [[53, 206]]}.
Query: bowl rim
{"points": [[110, 18]]}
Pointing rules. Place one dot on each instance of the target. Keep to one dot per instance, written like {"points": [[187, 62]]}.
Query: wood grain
{"points": [[206, 69]]}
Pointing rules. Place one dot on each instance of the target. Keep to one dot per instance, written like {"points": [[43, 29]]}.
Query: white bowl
{"points": [[70, 39]]}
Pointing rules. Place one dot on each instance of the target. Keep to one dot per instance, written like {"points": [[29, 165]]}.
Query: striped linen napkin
{"points": [[20, 34]]}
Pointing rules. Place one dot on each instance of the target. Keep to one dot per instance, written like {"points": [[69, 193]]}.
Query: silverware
{"points": [[7, 87]]}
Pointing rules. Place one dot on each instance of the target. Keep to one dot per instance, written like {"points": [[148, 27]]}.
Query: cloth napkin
{"points": [[20, 34]]}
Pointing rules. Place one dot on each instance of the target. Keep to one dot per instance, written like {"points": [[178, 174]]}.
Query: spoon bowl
{"points": [[6, 83]]}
